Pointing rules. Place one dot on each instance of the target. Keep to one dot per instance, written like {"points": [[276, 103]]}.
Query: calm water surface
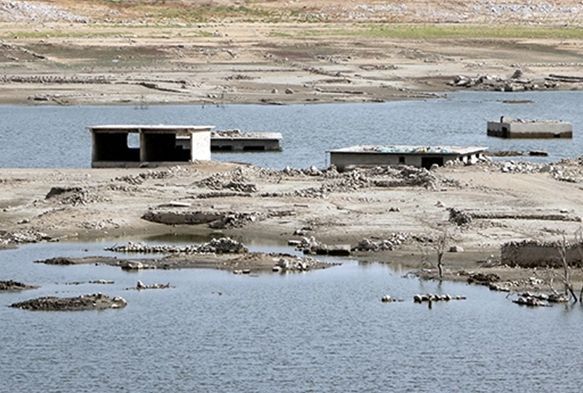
{"points": [[55, 136], [323, 331]]}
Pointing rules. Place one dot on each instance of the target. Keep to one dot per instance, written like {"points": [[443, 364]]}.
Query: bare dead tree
{"points": [[579, 247], [563, 248], [440, 248]]}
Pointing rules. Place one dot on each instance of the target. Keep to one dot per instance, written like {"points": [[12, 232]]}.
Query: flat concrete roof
{"points": [[411, 150], [233, 134], [509, 120], [150, 127]]}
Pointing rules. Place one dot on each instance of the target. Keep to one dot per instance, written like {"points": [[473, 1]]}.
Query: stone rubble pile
{"points": [[516, 82], [223, 245], [389, 244], [73, 196], [309, 245], [219, 181], [540, 299], [140, 178], [566, 170], [21, 237], [235, 220], [294, 264]]}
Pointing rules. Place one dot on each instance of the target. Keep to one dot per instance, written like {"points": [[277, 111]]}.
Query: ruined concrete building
{"points": [[417, 156], [139, 145], [541, 129]]}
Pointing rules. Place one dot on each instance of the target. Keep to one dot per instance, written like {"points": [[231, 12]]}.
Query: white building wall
{"points": [[200, 146]]}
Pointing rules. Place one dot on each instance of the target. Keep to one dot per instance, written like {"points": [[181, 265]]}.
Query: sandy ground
{"points": [[218, 63], [333, 208]]}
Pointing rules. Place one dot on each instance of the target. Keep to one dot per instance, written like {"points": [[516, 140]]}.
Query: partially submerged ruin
{"points": [[417, 156], [143, 145], [235, 140], [542, 129], [533, 253]]}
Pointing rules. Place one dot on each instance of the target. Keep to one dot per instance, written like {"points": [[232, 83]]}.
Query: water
{"points": [[323, 331], [56, 136]]}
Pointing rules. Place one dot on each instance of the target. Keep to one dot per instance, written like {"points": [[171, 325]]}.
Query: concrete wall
{"points": [[110, 149], [200, 146], [530, 130], [245, 144], [539, 254], [342, 160]]}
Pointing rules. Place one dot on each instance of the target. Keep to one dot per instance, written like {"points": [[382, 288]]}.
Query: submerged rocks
{"points": [[141, 286], [96, 301], [390, 299], [429, 297], [14, 286]]}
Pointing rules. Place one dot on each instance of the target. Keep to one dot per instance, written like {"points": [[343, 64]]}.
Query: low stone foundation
{"points": [[532, 253]]}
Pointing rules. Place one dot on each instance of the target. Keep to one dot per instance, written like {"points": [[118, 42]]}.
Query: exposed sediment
{"points": [[80, 303]]}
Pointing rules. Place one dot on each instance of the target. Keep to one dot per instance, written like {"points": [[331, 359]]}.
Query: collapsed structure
{"points": [[153, 144], [533, 253], [235, 140], [417, 156], [544, 129]]}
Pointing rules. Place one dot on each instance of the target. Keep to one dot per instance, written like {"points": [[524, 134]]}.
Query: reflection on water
{"points": [[32, 136], [319, 331]]}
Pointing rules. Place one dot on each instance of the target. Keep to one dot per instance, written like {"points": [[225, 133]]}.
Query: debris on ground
{"points": [[223, 245]]}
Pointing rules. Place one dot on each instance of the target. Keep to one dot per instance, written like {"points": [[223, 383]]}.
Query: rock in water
{"points": [[96, 301]]}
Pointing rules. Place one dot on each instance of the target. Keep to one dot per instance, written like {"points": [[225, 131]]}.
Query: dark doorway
{"points": [[427, 162]]}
